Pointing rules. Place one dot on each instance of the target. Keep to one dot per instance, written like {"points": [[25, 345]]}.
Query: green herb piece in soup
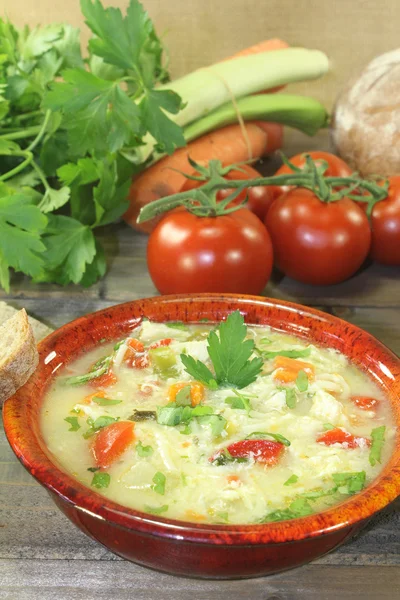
{"points": [[172, 414], [378, 441], [300, 507], [143, 450], [93, 469], [290, 396], [183, 398], [302, 381], [101, 480], [159, 481], [268, 354], [292, 479], [328, 426], [225, 457], [216, 422], [73, 421], [239, 402], [259, 435], [100, 368], [156, 510], [354, 482], [99, 423], [106, 401]]}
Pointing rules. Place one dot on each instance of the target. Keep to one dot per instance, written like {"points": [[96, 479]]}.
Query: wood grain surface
{"points": [[44, 557]]}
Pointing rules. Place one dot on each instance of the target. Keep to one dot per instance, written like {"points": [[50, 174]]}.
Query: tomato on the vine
{"points": [[336, 168], [385, 222], [259, 198], [227, 253], [317, 242]]}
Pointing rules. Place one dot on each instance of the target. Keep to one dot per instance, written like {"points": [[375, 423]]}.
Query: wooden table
{"points": [[44, 557]]}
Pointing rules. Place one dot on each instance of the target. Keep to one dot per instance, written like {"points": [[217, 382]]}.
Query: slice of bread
{"points": [[18, 354]]}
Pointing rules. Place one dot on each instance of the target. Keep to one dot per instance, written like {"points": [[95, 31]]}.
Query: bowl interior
{"points": [[21, 412]]}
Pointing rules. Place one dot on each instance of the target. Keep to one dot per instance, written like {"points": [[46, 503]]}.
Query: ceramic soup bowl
{"points": [[191, 549]]}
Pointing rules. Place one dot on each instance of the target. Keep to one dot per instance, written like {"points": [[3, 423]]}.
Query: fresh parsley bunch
{"points": [[71, 129]]}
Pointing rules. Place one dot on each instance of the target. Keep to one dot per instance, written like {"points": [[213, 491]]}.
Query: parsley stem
{"points": [[20, 167], [41, 176], [41, 133], [20, 135]]}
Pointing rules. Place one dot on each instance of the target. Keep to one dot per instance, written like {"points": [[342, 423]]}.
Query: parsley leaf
{"points": [[290, 396], [21, 246], [292, 479], [105, 401], [354, 482], [143, 450], [101, 480], [159, 481], [298, 508], [229, 353], [73, 421], [302, 381], [70, 247], [378, 441], [199, 371]]}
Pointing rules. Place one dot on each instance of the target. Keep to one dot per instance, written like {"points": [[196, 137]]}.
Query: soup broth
{"points": [[141, 425]]}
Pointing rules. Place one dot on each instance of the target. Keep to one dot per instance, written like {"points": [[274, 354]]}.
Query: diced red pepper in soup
{"points": [[112, 441], [340, 436]]}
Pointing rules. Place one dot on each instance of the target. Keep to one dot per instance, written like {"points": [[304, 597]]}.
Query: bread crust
{"points": [[18, 363]]}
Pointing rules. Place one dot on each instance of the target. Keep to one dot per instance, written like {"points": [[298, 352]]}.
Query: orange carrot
{"points": [[196, 391], [287, 369], [264, 46], [227, 144]]}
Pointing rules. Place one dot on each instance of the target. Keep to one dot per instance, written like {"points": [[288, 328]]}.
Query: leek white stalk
{"points": [[207, 88]]}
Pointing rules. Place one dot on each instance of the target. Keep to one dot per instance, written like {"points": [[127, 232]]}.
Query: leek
{"points": [[301, 112], [208, 88]]}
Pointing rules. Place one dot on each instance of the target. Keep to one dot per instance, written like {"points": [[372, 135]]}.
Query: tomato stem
{"points": [[203, 202]]}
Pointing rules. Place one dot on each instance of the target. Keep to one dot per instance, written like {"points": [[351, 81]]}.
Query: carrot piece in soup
{"points": [[287, 369], [196, 391]]}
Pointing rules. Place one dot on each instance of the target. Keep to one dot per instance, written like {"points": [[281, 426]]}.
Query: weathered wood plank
{"points": [[33, 579]]}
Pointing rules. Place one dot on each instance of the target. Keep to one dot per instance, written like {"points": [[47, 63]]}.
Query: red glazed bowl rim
{"points": [[22, 428]]}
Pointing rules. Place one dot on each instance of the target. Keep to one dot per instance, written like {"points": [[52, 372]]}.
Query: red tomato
{"points": [[336, 168], [111, 441], [263, 451], [339, 436], [365, 402], [317, 242], [385, 223], [259, 198], [230, 253]]}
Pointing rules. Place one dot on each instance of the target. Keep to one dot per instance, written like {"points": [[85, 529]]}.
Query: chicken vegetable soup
{"points": [[219, 423]]}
